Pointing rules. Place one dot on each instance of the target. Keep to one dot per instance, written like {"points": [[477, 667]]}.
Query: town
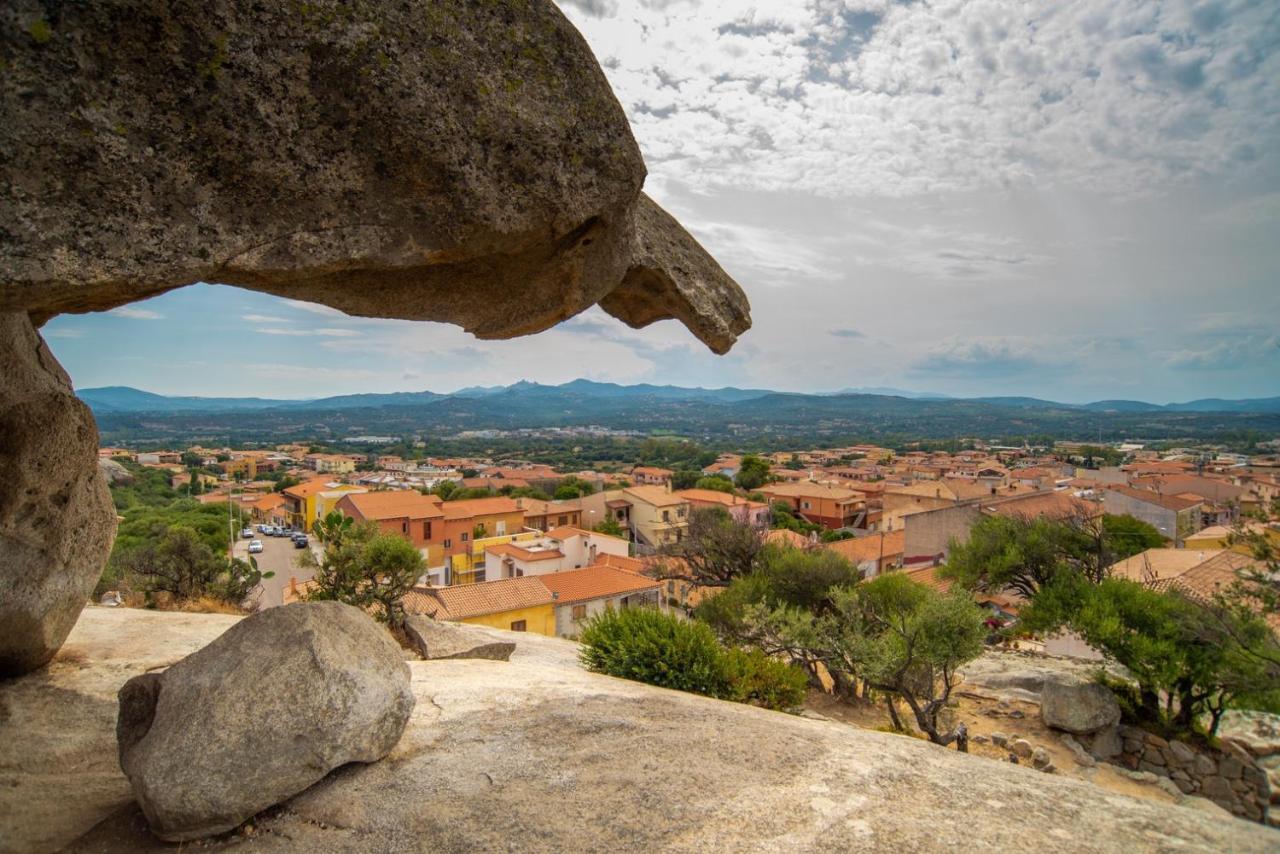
{"points": [[491, 523]]}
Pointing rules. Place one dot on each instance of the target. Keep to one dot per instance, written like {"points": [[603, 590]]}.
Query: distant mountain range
{"points": [[124, 399]]}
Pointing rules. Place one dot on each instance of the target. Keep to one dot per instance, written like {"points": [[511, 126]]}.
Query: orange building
{"points": [[416, 517], [829, 506]]}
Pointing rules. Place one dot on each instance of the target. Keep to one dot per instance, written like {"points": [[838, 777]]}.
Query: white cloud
{"points": [[323, 332], [898, 99], [136, 313], [63, 332], [265, 318], [281, 371], [312, 307]]}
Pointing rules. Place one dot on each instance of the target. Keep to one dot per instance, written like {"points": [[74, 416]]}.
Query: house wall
{"points": [[1163, 519], [930, 532], [895, 507], [651, 528], [540, 619], [461, 551], [567, 627]]}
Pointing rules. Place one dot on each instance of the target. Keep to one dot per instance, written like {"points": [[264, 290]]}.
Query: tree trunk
{"points": [[893, 712]]}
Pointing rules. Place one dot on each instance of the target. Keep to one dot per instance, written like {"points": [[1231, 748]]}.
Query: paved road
{"points": [[279, 556]]}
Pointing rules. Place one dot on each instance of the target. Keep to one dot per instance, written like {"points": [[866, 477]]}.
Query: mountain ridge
{"points": [[126, 399]]}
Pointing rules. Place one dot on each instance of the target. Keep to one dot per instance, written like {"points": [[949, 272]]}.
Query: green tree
{"points": [[715, 550], [1025, 554], [717, 482], [609, 525], [364, 568], [753, 473], [684, 478], [1188, 658], [1128, 536]]}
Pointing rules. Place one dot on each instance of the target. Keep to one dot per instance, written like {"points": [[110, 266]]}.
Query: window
{"points": [[448, 544], [564, 520], [666, 515], [518, 626], [426, 530], [500, 528], [464, 536], [404, 527], [579, 612], [806, 505]]}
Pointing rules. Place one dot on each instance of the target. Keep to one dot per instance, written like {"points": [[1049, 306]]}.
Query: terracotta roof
{"points": [[871, 547], [630, 564], [469, 507], [1209, 577], [617, 503], [713, 496], [929, 576], [394, 505], [513, 550], [1161, 564], [1055, 505], [655, 495], [476, 600], [812, 490], [1169, 502], [564, 532], [310, 487], [595, 582]]}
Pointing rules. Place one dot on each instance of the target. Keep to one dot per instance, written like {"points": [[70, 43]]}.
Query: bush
{"points": [[647, 645], [763, 681]]}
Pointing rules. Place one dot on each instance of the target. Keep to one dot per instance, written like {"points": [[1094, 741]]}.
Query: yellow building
{"points": [[515, 604], [658, 516], [468, 567], [1219, 536], [301, 499], [326, 502]]}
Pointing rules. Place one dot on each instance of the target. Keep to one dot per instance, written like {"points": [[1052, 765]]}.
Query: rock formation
{"points": [[1077, 705], [447, 161], [431, 161], [435, 640], [57, 522], [536, 753], [263, 712]]}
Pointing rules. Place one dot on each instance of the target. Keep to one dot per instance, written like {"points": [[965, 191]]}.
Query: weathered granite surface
{"points": [[455, 161], [57, 521], [567, 753]]}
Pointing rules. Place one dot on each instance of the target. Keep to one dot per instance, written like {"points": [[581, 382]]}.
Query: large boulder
{"points": [[1077, 705], [437, 640], [57, 522], [261, 713], [455, 161]]}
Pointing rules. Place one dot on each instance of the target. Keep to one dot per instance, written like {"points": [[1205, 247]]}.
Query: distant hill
{"points": [[126, 399], [723, 417], [1213, 404]]}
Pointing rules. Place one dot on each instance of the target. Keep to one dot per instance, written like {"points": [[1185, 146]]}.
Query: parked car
{"points": [[300, 541], [262, 528], [255, 546], [246, 534]]}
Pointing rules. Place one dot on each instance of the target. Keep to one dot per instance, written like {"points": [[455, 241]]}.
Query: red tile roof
{"points": [[398, 504], [595, 582], [477, 600]]}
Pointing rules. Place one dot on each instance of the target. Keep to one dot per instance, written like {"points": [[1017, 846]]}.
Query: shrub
{"points": [[763, 681], [649, 646]]}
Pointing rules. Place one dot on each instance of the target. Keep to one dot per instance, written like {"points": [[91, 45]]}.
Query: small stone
{"points": [[1205, 765], [981, 739], [1230, 767], [1078, 753], [1181, 752], [1185, 786], [1144, 765], [1040, 758], [1021, 748], [1017, 714], [999, 739], [1217, 789], [1154, 740], [1153, 757]]}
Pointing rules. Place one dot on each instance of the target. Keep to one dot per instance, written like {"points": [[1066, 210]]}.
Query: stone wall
{"points": [[1231, 778]]}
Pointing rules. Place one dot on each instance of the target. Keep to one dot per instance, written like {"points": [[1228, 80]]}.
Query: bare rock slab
{"points": [[1077, 705], [57, 522], [258, 715], [438, 640]]}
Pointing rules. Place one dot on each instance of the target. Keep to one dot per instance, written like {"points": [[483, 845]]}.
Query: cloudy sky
{"points": [[1072, 200]]}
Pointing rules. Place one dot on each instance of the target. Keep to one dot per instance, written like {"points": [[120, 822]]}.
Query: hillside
{"points": [[626, 766]]}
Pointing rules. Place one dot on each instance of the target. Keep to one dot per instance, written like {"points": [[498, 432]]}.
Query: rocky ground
{"points": [[537, 754]]}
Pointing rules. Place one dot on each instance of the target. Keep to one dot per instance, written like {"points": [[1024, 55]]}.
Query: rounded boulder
{"points": [[265, 711], [1077, 706]]}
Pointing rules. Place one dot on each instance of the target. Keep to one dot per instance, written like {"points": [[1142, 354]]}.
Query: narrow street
{"points": [[279, 556]]}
